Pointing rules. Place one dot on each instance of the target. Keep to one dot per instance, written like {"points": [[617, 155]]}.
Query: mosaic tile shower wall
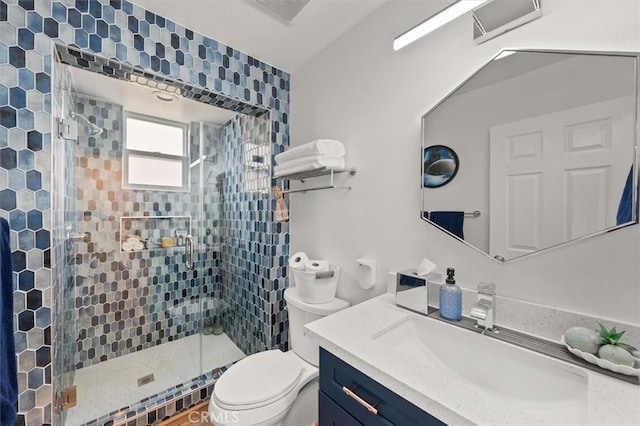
{"points": [[126, 302], [214, 307], [246, 255], [125, 33]]}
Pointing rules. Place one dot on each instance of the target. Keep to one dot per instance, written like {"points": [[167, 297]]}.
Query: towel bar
{"points": [[316, 173]]}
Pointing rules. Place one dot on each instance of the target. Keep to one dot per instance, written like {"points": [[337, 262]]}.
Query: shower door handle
{"points": [[75, 236], [188, 242]]}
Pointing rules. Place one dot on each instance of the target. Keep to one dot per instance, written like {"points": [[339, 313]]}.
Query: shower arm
{"points": [[94, 129]]}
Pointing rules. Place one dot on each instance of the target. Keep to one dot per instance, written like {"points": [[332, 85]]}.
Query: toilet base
{"points": [[304, 410]]}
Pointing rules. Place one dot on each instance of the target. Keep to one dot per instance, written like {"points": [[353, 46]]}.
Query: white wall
{"points": [[360, 91]]}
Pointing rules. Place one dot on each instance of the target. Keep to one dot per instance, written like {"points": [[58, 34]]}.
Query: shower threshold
{"points": [[114, 384]]}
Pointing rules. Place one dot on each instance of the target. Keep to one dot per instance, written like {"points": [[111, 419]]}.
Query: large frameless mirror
{"points": [[546, 144]]}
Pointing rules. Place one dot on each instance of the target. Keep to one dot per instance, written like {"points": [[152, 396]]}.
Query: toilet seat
{"points": [[276, 399], [258, 380]]}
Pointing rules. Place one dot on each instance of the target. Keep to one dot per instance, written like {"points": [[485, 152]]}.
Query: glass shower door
{"points": [[131, 284], [157, 280]]}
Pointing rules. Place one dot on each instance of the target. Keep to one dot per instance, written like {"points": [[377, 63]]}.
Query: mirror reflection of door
{"points": [[548, 139], [529, 158]]}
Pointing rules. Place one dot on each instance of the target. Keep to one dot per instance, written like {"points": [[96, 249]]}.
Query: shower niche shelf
{"points": [[144, 233], [303, 176]]}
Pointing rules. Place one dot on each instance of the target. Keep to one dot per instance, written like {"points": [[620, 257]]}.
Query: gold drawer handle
{"points": [[371, 408]]}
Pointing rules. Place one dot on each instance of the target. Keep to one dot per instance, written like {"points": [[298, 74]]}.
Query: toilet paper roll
{"points": [[317, 265], [298, 261]]}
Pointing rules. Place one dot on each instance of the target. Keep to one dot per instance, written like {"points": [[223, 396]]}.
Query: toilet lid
{"points": [[259, 378]]}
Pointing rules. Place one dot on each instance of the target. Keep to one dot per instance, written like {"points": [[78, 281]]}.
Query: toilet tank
{"points": [[301, 313]]}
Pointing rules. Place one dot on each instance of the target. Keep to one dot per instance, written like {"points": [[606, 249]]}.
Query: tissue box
{"points": [[317, 287]]}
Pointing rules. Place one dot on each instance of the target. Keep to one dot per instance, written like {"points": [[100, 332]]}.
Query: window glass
{"points": [[150, 136], [155, 154], [149, 170]]}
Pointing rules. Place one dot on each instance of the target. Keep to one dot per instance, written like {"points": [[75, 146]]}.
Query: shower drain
{"points": [[145, 380]]}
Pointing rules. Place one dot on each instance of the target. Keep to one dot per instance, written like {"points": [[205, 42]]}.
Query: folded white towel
{"points": [[334, 164], [313, 159], [328, 148]]}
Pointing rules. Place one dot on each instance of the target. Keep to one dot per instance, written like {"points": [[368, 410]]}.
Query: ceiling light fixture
{"points": [[441, 18], [164, 96]]}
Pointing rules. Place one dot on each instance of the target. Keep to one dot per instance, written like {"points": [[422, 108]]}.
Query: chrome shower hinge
{"points": [[67, 398], [68, 129]]}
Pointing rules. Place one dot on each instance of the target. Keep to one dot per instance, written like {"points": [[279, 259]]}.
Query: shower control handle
{"points": [[188, 241]]}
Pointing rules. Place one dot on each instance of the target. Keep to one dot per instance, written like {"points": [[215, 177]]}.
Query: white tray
{"points": [[622, 369]]}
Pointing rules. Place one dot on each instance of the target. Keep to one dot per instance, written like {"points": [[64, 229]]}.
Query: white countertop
{"points": [[348, 335]]}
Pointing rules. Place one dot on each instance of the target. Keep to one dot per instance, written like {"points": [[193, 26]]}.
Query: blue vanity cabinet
{"points": [[331, 414], [347, 397]]}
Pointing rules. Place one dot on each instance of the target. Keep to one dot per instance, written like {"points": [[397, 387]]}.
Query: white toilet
{"points": [[274, 388]]}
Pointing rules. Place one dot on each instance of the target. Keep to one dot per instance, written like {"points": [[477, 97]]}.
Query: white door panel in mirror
{"points": [[546, 143]]}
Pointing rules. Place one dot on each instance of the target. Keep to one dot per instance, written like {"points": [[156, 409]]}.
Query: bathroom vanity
{"points": [[424, 367], [349, 397]]}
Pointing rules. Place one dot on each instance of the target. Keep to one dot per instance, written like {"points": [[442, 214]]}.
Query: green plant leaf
{"points": [[603, 330], [618, 336], [627, 347]]}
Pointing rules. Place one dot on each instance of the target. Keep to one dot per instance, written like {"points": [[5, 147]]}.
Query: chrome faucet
{"points": [[484, 311]]}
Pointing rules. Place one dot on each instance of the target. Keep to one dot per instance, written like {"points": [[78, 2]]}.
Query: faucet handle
{"points": [[487, 288], [479, 312]]}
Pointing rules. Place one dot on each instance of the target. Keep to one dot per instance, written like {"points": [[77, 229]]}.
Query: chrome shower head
{"points": [[94, 130]]}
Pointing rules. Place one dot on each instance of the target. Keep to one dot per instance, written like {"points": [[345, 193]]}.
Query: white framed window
{"points": [[155, 154]]}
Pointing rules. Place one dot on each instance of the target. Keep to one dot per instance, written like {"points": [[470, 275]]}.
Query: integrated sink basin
{"points": [[542, 387]]}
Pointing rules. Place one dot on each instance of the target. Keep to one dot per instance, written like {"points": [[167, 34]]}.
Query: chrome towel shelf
{"points": [[302, 176]]}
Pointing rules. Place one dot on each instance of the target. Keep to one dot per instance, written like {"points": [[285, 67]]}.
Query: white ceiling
{"points": [[247, 28]]}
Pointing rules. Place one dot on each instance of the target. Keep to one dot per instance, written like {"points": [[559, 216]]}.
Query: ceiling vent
{"points": [[285, 10], [499, 16]]}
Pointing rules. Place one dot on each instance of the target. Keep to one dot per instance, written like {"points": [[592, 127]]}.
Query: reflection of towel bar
{"points": [[475, 213]]}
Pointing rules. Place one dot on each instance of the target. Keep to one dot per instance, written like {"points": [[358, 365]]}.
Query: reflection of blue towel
{"points": [[451, 221], [626, 201], [8, 372]]}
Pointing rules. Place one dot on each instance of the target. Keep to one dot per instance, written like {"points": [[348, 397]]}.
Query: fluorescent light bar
{"points": [[436, 21]]}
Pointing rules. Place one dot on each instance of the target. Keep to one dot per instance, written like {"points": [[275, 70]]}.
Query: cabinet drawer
{"points": [[331, 414], [352, 390]]}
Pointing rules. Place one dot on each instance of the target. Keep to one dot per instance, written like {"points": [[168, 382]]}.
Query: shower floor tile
{"points": [[113, 384]]}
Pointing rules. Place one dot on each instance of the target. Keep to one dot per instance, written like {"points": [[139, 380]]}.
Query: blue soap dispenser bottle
{"points": [[450, 298]]}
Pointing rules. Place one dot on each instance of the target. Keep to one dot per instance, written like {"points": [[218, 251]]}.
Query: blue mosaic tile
{"points": [[17, 220], [8, 158], [208, 71]]}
